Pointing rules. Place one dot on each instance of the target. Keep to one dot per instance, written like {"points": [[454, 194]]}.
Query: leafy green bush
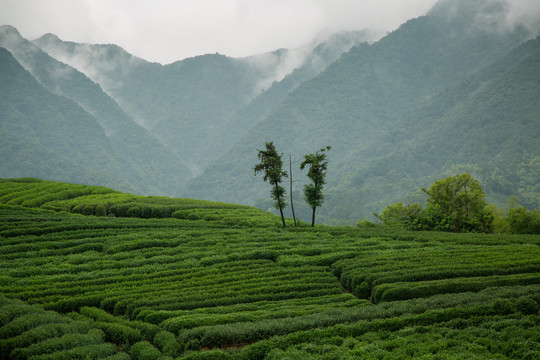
{"points": [[88, 209], [118, 333], [166, 342], [523, 221], [145, 351], [98, 351], [100, 210], [527, 305], [67, 341]]}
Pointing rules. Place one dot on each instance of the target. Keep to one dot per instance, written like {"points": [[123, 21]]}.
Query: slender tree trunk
{"points": [[290, 178], [280, 209], [313, 215], [282, 217]]}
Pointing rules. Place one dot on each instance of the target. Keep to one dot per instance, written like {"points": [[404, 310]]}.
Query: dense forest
{"points": [[450, 92]]}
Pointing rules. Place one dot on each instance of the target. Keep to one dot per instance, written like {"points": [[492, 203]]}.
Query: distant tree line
{"points": [[271, 164], [457, 204]]}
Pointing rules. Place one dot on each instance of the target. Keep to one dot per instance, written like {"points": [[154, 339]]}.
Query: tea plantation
{"points": [[90, 273]]}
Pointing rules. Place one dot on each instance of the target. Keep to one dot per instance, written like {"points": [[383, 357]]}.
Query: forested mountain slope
{"points": [[486, 124], [196, 105], [448, 92], [48, 135], [243, 119], [146, 164], [364, 102]]}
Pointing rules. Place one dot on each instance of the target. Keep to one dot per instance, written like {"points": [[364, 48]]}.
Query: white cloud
{"points": [[524, 12], [170, 30]]}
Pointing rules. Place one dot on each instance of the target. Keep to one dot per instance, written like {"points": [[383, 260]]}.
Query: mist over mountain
{"points": [[453, 91], [140, 159], [366, 101], [46, 135], [190, 104]]}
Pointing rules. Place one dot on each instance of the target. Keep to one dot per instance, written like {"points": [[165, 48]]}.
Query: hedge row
{"points": [[363, 273], [446, 333], [345, 323], [30, 331], [402, 291]]}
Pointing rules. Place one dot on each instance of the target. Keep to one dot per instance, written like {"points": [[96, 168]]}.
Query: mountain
{"points": [[452, 91], [366, 106], [144, 162], [46, 135], [200, 106], [486, 124]]}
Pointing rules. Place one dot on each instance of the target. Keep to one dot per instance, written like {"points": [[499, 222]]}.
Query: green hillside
{"points": [[101, 201], [226, 133], [450, 92], [486, 124], [18, 155], [155, 285], [141, 160], [196, 106], [45, 121], [388, 109]]}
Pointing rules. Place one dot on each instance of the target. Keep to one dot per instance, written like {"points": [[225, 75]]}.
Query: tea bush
{"points": [[234, 285]]}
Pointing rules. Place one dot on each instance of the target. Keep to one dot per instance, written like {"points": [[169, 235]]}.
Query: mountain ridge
{"points": [[124, 134], [196, 99], [333, 107], [390, 108]]}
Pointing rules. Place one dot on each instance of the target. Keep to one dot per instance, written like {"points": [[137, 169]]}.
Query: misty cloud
{"points": [[98, 62], [275, 66], [20, 48], [168, 30], [525, 13]]}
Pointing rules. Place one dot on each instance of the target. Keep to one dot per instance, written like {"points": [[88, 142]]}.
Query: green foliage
{"points": [[455, 203], [28, 331], [162, 288], [400, 215], [166, 343], [57, 344], [313, 192], [272, 165], [440, 270], [362, 223], [145, 351], [100, 201], [521, 220], [459, 202]]}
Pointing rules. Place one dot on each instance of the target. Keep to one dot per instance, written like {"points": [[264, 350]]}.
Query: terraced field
{"points": [[90, 273]]}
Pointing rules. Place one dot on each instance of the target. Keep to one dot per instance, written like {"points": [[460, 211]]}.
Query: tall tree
{"points": [[460, 201], [317, 171], [290, 190], [272, 165]]}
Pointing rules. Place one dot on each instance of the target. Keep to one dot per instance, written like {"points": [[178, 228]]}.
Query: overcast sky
{"points": [[170, 30]]}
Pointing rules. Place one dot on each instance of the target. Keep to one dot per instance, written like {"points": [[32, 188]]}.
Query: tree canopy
{"points": [[459, 203], [455, 203], [317, 172], [272, 165]]}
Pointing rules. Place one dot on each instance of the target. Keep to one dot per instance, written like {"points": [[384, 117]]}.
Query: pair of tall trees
{"points": [[272, 166]]}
